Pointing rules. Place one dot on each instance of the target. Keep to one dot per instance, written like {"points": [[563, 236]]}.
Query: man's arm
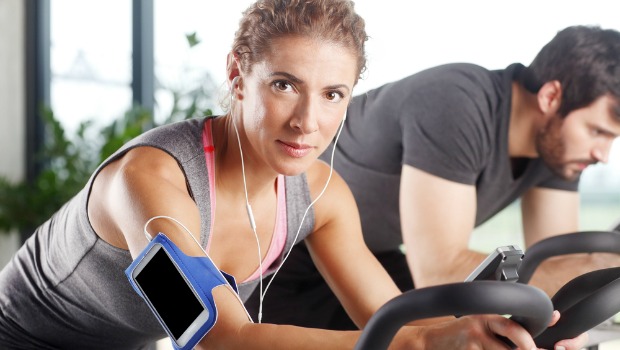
{"points": [[549, 212], [363, 286], [437, 219]]}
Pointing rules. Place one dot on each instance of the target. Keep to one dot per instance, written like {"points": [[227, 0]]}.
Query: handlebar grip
{"points": [[570, 243], [529, 304], [584, 302]]}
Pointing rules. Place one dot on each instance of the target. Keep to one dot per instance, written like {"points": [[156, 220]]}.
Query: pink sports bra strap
{"points": [[278, 240], [209, 149]]}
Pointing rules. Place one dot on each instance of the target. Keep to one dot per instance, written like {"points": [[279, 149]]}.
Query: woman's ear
{"points": [[550, 97], [234, 73], [233, 85], [232, 66]]}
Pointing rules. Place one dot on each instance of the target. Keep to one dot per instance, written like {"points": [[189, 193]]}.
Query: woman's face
{"points": [[293, 101]]}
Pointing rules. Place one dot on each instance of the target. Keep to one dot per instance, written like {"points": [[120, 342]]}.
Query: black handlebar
{"points": [[570, 243], [528, 304], [587, 300], [584, 303]]}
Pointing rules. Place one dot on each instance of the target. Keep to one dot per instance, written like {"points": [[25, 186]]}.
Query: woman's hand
{"points": [[476, 332], [467, 333], [568, 344]]}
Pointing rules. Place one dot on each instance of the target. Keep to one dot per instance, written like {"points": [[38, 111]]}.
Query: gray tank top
{"points": [[66, 288]]}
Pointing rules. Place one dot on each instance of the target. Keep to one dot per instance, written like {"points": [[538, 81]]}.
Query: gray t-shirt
{"points": [[66, 288], [450, 121]]}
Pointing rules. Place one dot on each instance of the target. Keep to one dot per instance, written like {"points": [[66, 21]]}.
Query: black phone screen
{"points": [[169, 293]]}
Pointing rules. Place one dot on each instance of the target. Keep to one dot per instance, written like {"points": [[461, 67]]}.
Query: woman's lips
{"points": [[294, 149]]}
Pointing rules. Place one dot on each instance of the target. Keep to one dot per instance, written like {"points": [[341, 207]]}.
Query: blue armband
{"points": [[178, 289]]}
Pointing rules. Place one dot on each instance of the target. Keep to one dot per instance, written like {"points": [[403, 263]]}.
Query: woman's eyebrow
{"points": [[289, 76]]}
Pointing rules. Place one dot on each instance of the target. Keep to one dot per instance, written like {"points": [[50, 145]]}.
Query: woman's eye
{"points": [[334, 96], [282, 85]]}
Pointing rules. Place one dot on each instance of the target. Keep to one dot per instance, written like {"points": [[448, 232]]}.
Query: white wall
{"points": [[12, 108]]}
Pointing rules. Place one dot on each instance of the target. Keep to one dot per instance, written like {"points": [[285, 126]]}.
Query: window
{"points": [[90, 59], [181, 69]]}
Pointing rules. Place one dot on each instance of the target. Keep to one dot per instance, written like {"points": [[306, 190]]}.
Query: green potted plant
{"points": [[68, 161]]}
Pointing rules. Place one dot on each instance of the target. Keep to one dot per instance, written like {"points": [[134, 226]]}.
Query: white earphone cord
{"points": [[248, 207], [331, 171], [262, 292], [148, 236], [253, 224]]}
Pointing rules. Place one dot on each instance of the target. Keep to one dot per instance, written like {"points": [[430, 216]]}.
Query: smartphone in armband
{"points": [[501, 265], [177, 289]]}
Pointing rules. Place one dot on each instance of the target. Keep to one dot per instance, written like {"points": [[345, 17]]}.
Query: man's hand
{"points": [[568, 344]]}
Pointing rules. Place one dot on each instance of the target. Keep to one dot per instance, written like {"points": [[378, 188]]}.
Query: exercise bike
{"points": [[585, 302]]}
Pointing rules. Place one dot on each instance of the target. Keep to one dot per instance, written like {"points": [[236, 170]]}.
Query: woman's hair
{"points": [[333, 21], [586, 62]]}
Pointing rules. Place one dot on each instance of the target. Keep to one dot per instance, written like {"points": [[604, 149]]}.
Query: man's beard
{"points": [[552, 148]]}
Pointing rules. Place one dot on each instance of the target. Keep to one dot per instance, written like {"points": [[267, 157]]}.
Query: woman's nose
{"points": [[305, 120]]}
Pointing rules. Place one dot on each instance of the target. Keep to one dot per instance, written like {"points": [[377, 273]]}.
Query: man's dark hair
{"points": [[586, 62]]}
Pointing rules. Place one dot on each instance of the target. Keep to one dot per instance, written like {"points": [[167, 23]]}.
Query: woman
{"points": [[292, 70]]}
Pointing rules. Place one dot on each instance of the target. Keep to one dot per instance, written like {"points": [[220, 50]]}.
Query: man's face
{"points": [[568, 145]]}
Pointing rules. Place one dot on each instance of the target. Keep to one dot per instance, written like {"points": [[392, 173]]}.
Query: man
{"points": [[434, 155]]}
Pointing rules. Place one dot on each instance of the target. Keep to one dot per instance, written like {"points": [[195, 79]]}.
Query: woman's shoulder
{"points": [[173, 135], [325, 181], [332, 198], [179, 140]]}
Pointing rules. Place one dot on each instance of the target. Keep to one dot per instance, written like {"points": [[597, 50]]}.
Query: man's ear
{"points": [[550, 97]]}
